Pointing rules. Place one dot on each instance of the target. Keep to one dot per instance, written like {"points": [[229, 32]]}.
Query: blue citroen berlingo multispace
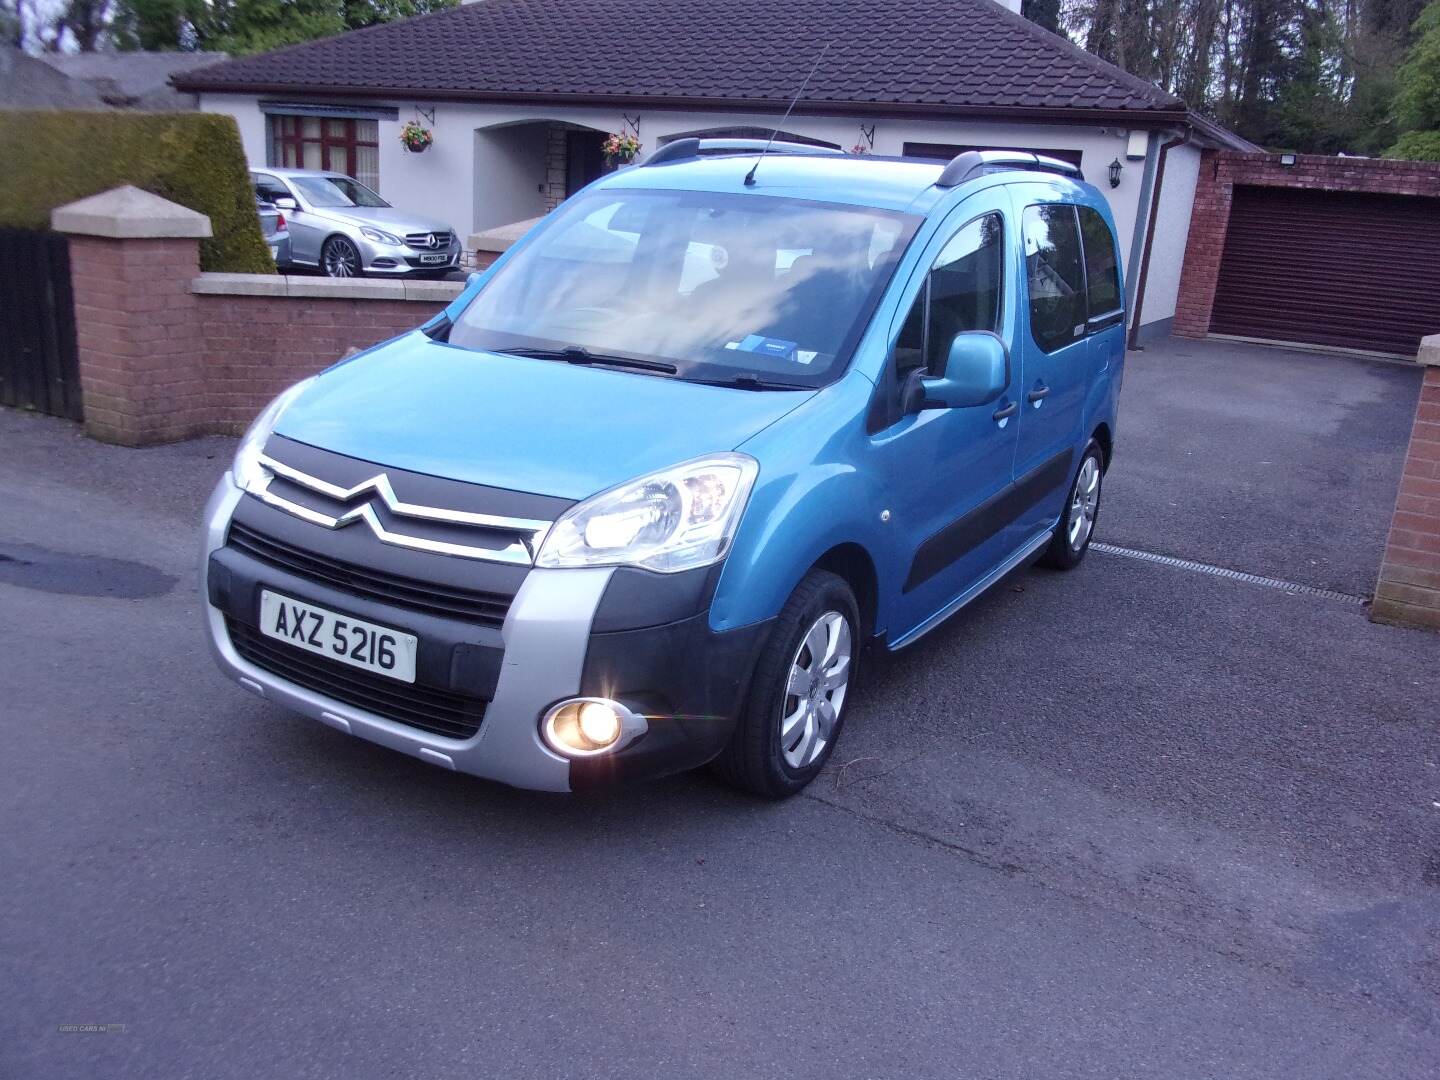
{"points": [[635, 501]]}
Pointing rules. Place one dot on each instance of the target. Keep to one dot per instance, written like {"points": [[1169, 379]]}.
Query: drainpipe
{"points": [[1137, 234], [1165, 149]]}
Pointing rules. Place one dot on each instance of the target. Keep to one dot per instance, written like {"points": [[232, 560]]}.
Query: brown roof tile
{"points": [[954, 54]]}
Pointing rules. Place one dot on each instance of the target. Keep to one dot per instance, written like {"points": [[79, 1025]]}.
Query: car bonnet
{"points": [[541, 426]]}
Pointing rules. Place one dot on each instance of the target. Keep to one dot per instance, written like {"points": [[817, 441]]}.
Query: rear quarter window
{"points": [[1102, 267]]}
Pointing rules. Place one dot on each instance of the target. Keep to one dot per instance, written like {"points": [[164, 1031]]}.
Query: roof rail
{"points": [[684, 149], [973, 163]]}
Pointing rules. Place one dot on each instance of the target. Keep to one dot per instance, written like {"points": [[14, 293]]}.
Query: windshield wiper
{"points": [[578, 354], [747, 381]]}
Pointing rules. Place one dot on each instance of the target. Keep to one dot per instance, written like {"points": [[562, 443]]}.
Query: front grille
{"points": [[428, 241], [472, 605], [440, 712]]}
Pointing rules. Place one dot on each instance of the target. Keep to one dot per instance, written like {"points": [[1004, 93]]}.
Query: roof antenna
{"points": [[750, 176]]}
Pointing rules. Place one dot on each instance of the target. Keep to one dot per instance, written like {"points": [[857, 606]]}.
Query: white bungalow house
{"points": [[520, 94]]}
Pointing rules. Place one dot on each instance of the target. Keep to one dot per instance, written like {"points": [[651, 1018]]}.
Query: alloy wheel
{"points": [[815, 690], [341, 259], [1084, 502]]}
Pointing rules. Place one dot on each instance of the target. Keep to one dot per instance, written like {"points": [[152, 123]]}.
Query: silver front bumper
{"points": [[389, 259], [545, 634]]}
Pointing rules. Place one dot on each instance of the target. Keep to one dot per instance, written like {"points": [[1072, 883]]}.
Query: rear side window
{"points": [[1102, 269], [962, 292], [1055, 275], [269, 188]]}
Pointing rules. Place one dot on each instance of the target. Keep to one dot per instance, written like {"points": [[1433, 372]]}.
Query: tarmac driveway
{"points": [[1273, 461], [1133, 821]]}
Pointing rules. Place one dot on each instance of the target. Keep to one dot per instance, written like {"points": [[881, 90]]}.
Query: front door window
{"points": [[961, 292]]}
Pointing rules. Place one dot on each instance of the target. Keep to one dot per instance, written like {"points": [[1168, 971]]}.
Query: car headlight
{"points": [[246, 469], [380, 236], [671, 520]]}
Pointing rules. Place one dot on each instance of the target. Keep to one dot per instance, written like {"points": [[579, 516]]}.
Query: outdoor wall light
{"points": [[1287, 160], [1115, 168]]}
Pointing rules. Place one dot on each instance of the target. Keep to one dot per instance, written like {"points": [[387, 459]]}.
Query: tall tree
{"points": [[155, 24], [247, 26], [85, 23], [1314, 75], [1417, 97], [1044, 13], [12, 22]]}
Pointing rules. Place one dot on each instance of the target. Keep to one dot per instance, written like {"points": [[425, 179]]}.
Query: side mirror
{"points": [[976, 373], [285, 203]]}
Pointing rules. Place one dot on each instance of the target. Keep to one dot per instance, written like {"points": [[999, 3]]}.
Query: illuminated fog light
{"points": [[599, 723], [585, 727]]}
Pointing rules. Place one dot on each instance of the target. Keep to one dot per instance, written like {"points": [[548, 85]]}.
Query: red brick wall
{"points": [[1220, 171], [255, 346], [159, 362], [1409, 587]]}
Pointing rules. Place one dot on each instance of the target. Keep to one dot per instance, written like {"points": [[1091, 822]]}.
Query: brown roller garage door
{"points": [[1333, 268]]}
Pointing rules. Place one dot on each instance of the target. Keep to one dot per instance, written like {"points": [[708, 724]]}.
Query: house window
{"points": [[339, 145]]}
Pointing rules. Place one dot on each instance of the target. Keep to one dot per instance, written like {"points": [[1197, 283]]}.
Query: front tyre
{"points": [[796, 704], [1082, 508], [340, 258]]}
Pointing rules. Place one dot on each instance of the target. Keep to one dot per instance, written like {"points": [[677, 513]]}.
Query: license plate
{"points": [[351, 641], [274, 250], [434, 258]]}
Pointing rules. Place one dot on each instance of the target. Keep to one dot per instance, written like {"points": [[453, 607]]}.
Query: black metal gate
{"points": [[39, 364]]}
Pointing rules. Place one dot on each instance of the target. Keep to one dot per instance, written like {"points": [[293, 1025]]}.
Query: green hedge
{"points": [[194, 159]]}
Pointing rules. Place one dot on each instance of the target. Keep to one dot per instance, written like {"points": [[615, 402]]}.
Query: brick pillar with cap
{"points": [[133, 256]]}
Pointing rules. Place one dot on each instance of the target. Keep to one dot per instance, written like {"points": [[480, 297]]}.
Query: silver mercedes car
{"points": [[344, 229]]}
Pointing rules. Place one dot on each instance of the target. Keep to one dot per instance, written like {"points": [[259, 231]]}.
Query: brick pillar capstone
{"points": [[133, 256], [1408, 591]]}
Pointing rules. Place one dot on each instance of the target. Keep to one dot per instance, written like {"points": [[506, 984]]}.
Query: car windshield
{"points": [[720, 286], [336, 191]]}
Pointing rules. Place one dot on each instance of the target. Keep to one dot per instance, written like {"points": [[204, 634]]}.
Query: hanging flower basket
{"points": [[415, 137], [621, 148], [859, 148]]}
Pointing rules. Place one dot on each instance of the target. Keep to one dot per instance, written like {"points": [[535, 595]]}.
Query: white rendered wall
{"points": [[245, 108], [477, 174], [1172, 228], [511, 164]]}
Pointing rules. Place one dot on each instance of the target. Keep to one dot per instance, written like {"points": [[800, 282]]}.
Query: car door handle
{"points": [[1005, 412], [1038, 393]]}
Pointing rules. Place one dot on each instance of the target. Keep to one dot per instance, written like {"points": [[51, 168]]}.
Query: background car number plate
{"points": [[274, 250], [434, 258], [351, 641]]}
